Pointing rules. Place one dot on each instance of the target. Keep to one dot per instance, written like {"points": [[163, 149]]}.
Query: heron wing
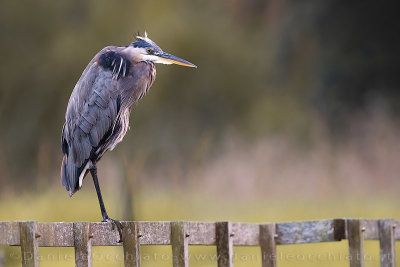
{"points": [[91, 114]]}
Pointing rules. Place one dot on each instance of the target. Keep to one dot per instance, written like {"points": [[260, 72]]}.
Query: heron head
{"points": [[147, 50]]}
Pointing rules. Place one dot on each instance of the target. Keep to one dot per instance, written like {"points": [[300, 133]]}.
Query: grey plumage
{"points": [[99, 104]]}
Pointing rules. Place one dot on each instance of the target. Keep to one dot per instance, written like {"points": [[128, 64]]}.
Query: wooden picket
{"points": [[30, 235]]}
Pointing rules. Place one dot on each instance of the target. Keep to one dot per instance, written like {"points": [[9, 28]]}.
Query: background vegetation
{"points": [[292, 114]]}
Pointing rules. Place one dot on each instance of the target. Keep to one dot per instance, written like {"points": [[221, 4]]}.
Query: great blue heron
{"points": [[97, 116]]}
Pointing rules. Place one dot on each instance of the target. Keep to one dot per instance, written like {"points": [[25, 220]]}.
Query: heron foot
{"points": [[115, 224]]}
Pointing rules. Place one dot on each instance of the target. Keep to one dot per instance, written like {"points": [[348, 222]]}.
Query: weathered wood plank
{"points": [[179, 243], [201, 233], [355, 235], [29, 244], [370, 229], [131, 244], [387, 244], [396, 233], [9, 233], [339, 228], [289, 233], [305, 232], [58, 234], [82, 244], [245, 234], [155, 233], [104, 234], [224, 244], [268, 245]]}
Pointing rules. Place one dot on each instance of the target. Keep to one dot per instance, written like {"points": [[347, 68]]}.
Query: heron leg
{"points": [[115, 223]]}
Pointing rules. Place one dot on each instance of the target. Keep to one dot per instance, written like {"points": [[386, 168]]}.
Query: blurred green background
{"points": [[292, 114]]}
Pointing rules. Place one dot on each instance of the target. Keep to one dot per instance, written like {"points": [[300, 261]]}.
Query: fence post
{"points": [[268, 245], [131, 244], [29, 244], [82, 244], [179, 242], [224, 244], [355, 235], [1, 258], [387, 243]]}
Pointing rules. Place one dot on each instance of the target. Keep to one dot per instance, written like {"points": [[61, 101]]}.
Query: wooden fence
{"points": [[82, 236]]}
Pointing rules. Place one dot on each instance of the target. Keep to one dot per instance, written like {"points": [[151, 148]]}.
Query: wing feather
{"points": [[92, 111]]}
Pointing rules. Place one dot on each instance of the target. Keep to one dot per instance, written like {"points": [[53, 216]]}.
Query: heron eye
{"points": [[149, 51]]}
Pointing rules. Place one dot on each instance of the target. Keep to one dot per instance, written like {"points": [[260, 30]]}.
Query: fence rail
{"points": [[82, 236]]}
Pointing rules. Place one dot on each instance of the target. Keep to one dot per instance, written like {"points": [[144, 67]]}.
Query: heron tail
{"points": [[71, 176]]}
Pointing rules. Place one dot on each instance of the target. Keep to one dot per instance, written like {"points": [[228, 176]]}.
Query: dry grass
{"points": [[365, 163]]}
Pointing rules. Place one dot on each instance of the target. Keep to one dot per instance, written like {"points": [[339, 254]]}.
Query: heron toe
{"points": [[116, 224]]}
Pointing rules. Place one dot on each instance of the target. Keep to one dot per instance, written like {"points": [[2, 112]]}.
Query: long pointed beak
{"points": [[171, 59]]}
